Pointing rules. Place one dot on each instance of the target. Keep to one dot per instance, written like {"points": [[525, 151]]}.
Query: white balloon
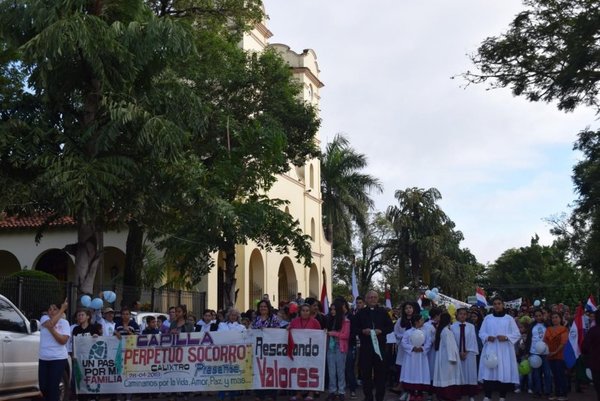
{"points": [[588, 373], [537, 303], [490, 360], [535, 361], [417, 338], [541, 348]]}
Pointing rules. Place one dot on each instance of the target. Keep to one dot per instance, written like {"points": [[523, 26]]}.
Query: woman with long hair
{"points": [[180, 323], [85, 327], [408, 310], [338, 332], [556, 337], [446, 371]]}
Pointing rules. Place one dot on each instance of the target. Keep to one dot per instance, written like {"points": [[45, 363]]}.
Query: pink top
{"points": [[310, 323], [342, 335]]}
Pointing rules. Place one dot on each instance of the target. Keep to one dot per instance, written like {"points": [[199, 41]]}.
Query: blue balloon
{"points": [[435, 290], [430, 294], [96, 303], [86, 301], [109, 296]]}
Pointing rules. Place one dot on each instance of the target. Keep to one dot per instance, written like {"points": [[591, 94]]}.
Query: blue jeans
{"points": [[350, 368], [336, 364], [49, 375], [537, 377], [558, 368]]}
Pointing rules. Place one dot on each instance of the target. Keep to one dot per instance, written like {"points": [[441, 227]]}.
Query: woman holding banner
{"points": [[265, 319], [304, 321]]}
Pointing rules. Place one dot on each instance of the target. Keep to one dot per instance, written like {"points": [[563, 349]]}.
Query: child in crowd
{"points": [[466, 339], [415, 377], [151, 326]]}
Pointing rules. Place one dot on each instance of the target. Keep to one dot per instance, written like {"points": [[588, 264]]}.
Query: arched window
{"points": [[311, 177], [312, 229]]}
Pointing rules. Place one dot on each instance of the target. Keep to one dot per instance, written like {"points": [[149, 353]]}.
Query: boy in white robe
{"points": [[499, 333], [466, 341], [447, 376], [429, 327], [415, 375]]}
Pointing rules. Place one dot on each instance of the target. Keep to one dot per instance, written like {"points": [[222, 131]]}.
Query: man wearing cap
{"points": [[107, 322]]}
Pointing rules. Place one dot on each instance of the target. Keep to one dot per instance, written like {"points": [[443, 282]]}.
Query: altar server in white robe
{"points": [[409, 309], [430, 327], [415, 375], [466, 341], [447, 377], [499, 333]]}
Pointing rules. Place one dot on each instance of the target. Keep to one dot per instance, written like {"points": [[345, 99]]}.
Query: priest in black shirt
{"points": [[372, 365]]}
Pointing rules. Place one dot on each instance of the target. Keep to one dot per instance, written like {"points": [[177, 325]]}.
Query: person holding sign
{"points": [[304, 321], [498, 365], [232, 322], [373, 324]]}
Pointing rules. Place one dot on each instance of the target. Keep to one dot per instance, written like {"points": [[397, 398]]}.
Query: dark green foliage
{"points": [[549, 53], [539, 272], [39, 289]]}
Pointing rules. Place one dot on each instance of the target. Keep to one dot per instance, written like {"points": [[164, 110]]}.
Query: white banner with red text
{"points": [[212, 361]]}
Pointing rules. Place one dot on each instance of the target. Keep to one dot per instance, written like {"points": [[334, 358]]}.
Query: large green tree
{"points": [[86, 120], [549, 53], [424, 246], [256, 127], [539, 272], [345, 190]]}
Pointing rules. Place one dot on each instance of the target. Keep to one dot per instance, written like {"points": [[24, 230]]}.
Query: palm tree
{"points": [[345, 190], [420, 230]]}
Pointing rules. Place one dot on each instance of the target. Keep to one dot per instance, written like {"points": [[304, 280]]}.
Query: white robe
{"points": [[429, 329], [415, 366], [469, 365], [447, 370], [399, 332], [507, 369]]}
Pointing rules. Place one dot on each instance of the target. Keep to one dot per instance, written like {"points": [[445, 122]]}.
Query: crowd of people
{"points": [[420, 351]]}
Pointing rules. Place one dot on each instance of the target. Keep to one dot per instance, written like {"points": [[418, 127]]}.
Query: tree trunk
{"points": [[87, 258], [229, 286], [133, 263]]}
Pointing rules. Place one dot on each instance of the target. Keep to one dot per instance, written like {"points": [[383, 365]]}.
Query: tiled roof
{"points": [[29, 222]]}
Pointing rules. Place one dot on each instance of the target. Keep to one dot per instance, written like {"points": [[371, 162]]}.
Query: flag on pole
{"points": [[354, 285], [388, 299], [573, 347], [590, 305], [480, 294], [324, 300]]}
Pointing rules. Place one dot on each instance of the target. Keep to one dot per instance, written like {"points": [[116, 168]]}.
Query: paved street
{"points": [[587, 395]]}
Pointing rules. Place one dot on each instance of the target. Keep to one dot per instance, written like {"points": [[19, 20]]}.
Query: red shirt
{"points": [[310, 323]]}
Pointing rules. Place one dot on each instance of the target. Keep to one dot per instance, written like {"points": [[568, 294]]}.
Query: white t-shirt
{"points": [[50, 349]]}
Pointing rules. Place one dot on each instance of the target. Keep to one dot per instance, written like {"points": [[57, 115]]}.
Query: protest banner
{"points": [[213, 361]]}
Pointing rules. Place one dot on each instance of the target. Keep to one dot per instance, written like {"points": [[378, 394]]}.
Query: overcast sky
{"points": [[502, 164]]}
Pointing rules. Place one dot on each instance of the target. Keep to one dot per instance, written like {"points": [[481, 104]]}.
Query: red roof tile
{"points": [[22, 222]]}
